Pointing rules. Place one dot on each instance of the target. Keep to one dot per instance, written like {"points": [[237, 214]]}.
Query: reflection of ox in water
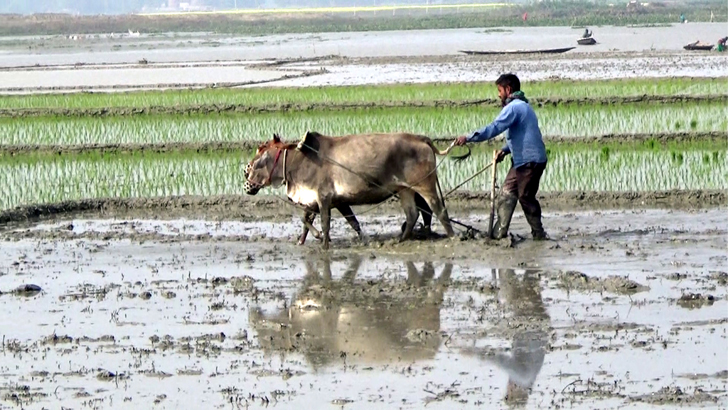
{"points": [[322, 173], [528, 326], [360, 321]]}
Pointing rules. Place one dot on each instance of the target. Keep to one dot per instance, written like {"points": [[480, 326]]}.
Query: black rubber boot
{"points": [[536, 228], [505, 206]]}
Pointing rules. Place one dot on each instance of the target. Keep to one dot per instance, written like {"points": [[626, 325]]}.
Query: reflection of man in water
{"points": [[530, 322]]}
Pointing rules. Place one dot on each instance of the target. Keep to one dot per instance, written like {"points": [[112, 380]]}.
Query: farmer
{"points": [[721, 43], [528, 157]]}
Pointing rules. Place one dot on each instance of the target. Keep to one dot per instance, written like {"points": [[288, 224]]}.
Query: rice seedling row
{"points": [[570, 121], [367, 94], [38, 179]]}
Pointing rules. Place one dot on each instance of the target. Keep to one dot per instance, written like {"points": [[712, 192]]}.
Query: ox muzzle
{"points": [[251, 188]]}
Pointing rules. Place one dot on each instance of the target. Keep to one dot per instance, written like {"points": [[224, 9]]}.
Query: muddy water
{"points": [[152, 77], [141, 313], [591, 66], [622, 52], [207, 47]]}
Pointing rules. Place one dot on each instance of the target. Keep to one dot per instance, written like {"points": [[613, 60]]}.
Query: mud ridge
{"points": [[276, 62], [246, 207], [223, 146], [164, 86], [241, 108], [461, 58]]}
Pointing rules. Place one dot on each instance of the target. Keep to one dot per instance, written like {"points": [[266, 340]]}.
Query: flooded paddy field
{"points": [[207, 46], [362, 71], [47, 64], [622, 308], [134, 274]]}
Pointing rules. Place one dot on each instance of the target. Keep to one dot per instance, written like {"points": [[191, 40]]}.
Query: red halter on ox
{"points": [[275, 162], [251, 187]]}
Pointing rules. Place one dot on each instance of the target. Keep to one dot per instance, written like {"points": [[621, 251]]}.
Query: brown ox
{"points": [[345, 210], [323, 172]]}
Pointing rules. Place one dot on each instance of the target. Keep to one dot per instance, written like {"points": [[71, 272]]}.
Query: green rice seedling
{"points": [[49, 178], [267, 96], [568, 121], [605, 154], [679, 158], [651, 143]]}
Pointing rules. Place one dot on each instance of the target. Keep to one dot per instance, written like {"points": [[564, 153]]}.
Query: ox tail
{"points": [[447, 150]]}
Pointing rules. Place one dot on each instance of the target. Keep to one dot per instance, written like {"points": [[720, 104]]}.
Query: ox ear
{"points": [[306, 142], [276, 138]]}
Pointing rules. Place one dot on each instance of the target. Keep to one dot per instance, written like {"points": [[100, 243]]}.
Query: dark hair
{"points": [[509, 80]]}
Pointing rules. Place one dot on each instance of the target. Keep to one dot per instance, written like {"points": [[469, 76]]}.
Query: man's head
{"points": [[507, 85]]}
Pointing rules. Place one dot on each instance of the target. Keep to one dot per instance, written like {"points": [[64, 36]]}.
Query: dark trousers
{"points": [[523, 182]]}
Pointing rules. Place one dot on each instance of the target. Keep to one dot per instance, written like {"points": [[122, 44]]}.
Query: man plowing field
{"points": [[528, 156]]}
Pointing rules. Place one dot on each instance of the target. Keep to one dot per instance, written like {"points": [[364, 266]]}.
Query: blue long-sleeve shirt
{"points": [[523, 140]]}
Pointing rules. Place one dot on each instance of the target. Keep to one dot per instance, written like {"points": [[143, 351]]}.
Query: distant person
{"points": [[528, 157], [721, 43], [525, 16], [587, 33], [682, 18]]}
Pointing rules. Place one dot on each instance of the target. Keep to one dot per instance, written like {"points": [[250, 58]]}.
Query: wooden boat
{"points": [[586, 41], [698, 46], [542, 51]]}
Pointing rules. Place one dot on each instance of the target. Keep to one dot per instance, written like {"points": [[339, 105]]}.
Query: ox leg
{"points": [[348, 214], [352, 270], [307, 220], [325, 209], [426, 212], [441, 284], [407, 199], [428, 272], [438, 208], [413, 277]]}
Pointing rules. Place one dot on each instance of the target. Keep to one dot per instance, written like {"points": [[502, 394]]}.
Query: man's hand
{"points": [[460, 141], [500, 156]]}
